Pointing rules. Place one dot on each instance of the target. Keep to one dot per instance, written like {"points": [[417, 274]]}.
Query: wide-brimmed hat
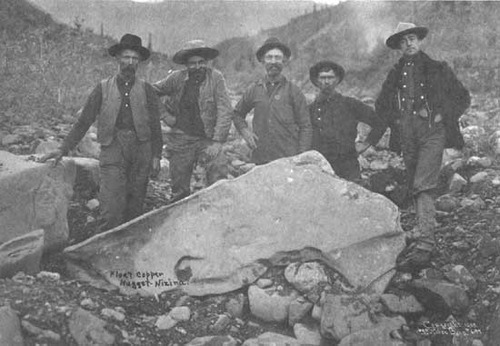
{"points": [[129, 41], [272, 43], [194, 48], [405, 29], [329, 65]]}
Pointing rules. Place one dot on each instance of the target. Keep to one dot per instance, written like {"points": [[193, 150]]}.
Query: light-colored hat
{"points": [[194, 48], [405, 29]]}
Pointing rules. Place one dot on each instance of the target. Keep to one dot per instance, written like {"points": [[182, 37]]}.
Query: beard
{"points": [[198, 74], [128, 71], [274, 69]]}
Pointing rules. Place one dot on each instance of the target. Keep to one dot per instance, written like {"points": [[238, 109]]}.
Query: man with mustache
{"points": [[421, 101], [199, 101], [335, 119], [281, 124], [127, 112]]}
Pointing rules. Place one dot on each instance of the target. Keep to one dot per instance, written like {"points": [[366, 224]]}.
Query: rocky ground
{"points": [[55, 310]]}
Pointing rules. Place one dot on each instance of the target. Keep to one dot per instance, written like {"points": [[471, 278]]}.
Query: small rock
{"points": [[180, 313], [165, 322], [307, 335], [88, 303], [110, 313], [316, 312], [457, 183], [496, 181], [298, 309], [440, 296], [479, 177], [344, 315], [447, 203], [217, 340], [306, 277], [379, 165], [87, 329], [272, 339], [92, 204], [11, 139], [460, 275], [222, 322], [10, 328], [22, 254], [237, 163], [40, 333], [401, 305], [45, 147], [268, 304], [489, 246], [484, 162], [48, 275], [264, 283], [234, 306], [379, 335]]}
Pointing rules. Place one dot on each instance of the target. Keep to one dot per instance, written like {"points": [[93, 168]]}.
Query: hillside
{"points": [[48, 69], [172, 22], [353, 34]]}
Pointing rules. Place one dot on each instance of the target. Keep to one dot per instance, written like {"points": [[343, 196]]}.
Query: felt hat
{"points": [[130, 41], [272, 43], [329, 65], [405, 29], [194, 48]]}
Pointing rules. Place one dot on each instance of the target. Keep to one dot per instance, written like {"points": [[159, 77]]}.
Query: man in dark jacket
{"points": [[202, 113], [127, 112], [421, 101], [281, 121], [335, 119]]}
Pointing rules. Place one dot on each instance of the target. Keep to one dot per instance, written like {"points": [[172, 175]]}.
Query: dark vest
{"points": [[111, 102]]}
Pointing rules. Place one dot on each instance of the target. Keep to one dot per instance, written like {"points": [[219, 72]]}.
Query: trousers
{"points": [[125, 165], [184, 152]]}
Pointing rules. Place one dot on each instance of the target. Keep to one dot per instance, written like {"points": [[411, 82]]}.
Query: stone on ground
{"points": [[460, 275], [343, 315], [380, 335], [34, 196], [306, 334], [270, 304], [215, 240], [10, 328], [305, 276], [407, 304], [216, 340], [22, 254], [234, 306], [440, 296], [272, 339], [298, 309], [87, 329]]}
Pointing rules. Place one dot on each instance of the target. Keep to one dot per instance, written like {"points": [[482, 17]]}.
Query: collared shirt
{"points": [[189, 120], [124, 119], [335, 121], [281, 120]]}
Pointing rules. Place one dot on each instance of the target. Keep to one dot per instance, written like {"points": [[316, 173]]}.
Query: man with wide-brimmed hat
{"points": [[127, 113], [335, 119], [281, 123], [202, 112], [421, 101]]}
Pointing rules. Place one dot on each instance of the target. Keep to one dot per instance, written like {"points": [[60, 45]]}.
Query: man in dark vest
{"points": [[421, 101], [335, 120], [127, 112], [198, 98]]}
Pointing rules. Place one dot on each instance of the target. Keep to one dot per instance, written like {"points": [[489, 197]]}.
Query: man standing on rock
{"points": [[421, 101], [127, 112], [202, 110], [335, 119], [281, 122]]}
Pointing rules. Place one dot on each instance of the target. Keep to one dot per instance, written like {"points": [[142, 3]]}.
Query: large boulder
{"points": [[226, 236], [22, 254], [34, 196]]}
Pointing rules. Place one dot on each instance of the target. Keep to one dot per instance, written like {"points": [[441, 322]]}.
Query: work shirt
{"points": [[281, 119], [124, 120], [335, 121], [190, 122]]}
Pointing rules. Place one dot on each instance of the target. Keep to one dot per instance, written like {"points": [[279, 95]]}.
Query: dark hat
{"points": [[272, 43], [194, 48], [405, 29], [129, 41], [325, 64]]}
